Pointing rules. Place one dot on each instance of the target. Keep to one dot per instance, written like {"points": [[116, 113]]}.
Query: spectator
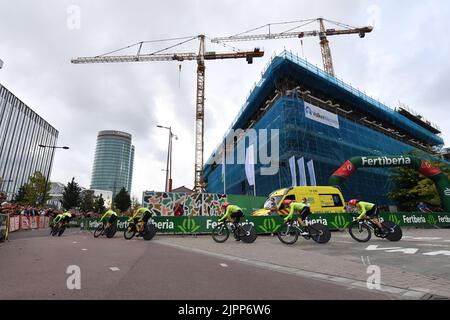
{"points": [[423, 208]]}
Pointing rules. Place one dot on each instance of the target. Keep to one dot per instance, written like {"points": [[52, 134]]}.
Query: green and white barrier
{"points": [[270, 224]]}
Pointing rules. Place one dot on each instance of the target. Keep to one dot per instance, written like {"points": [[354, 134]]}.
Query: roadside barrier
{"points": [[17, 223], [271, 224]]}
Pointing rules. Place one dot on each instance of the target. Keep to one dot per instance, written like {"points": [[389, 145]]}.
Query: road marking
{"points": [[84, 249], [74, 242], [224, 265], [342, 241], [114, 269], [375, 248], [352, 283], [436, 253]]}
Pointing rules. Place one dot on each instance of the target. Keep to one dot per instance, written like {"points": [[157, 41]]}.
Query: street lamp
{"points": [[169, 159], [50, 166]]}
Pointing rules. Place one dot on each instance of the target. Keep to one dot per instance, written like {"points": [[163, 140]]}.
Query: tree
{"points": [[20, 196], [122, 200], [71, 195], [35, 191], [87, 201], [411, 188], [99, 204], [134, 203]]}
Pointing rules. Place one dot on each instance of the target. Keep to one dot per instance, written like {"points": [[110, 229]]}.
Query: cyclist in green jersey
{"points": [[57, 219], [141, 214], [366, 209], [300, 207], [110, 216], [232, 213]]}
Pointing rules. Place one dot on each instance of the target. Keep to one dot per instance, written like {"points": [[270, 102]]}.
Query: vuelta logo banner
{"points": [[428, 170], [346, 170]]}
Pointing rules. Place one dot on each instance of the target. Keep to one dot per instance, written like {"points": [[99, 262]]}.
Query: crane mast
{"points": [[200, 94]]}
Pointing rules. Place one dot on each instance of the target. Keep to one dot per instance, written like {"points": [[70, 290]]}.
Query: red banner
{"points": [[346, 170], [428, 170]]}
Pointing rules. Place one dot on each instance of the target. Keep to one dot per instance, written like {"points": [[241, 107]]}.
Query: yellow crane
{"points": [[201, 57], [322, 33]]}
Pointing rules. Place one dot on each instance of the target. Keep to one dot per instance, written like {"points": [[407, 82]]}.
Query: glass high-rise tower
{"points": [[113, 162]]}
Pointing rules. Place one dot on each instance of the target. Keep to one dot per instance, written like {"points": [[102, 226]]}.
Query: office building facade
{"points": [[21, 132]]}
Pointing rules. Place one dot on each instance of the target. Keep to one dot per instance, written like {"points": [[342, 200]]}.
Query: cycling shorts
{"points": [[373, 213], [112, 219], [236, 216], [305, 213]]}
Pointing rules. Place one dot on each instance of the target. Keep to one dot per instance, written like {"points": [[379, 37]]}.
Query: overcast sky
{"points": [[406, 58]]}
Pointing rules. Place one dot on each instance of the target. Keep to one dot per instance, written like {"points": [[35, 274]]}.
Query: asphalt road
{"points": [[34, 266]]}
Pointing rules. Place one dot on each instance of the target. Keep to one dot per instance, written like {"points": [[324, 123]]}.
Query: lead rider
{"points": [[233, 212]]}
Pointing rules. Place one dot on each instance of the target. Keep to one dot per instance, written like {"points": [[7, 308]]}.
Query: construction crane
{"points": [[322, 34], [201, 57]]}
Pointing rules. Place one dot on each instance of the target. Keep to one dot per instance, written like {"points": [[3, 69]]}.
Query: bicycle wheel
{"points": [[99, 231], [359, 232], [287, 234], [397, 233], [61, 231], [220, 233], [111, 231], [150, 231], [248, 233], [129, 232], [320, 233]]}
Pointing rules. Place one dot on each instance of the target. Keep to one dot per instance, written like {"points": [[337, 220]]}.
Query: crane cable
{"points": [[151, 41]]}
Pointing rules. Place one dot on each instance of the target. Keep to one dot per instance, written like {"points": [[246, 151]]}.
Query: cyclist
{"points": [[112, 218], [66, 217], [302, 208], [366, 209], [57, 219], [232, 213], [141, 214]]}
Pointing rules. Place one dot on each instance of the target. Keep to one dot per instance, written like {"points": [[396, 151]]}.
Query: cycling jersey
{"points": [[295, 206], [58, 218], [140, 213], [67, 214], [363, 207], [108, 214], [230, 210]]}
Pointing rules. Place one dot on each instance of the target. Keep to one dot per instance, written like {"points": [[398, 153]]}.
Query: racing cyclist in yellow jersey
{"points": [[232, 213], [367, 209], [56, 220], [110, 216], [141, 214], [300, 207]]}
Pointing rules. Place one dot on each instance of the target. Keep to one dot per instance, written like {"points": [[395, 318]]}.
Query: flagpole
{"points": [[224, 166]]}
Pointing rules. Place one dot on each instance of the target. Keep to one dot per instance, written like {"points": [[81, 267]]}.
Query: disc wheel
{"points": [[220, 233], [397, 233], [150, 231], [320, 233], [287, 234], [248, 233], [111, 231], [360, 232]]}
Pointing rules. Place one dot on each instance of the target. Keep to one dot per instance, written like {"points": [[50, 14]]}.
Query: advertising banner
{"points": [[270, 224], [34, 222], [321, 115]]}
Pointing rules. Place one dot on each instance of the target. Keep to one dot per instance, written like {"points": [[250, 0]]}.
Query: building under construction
{"points": [[323, 119]]}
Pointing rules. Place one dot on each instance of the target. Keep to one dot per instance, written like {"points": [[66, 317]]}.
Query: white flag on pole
{"points": [[293, 171], [312, 173], [250, 165], [302, 172]]}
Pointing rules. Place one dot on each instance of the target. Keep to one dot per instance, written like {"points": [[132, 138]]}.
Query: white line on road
{"points": [[224, 265], [74, 242], [84, 249], [114, 269]]}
